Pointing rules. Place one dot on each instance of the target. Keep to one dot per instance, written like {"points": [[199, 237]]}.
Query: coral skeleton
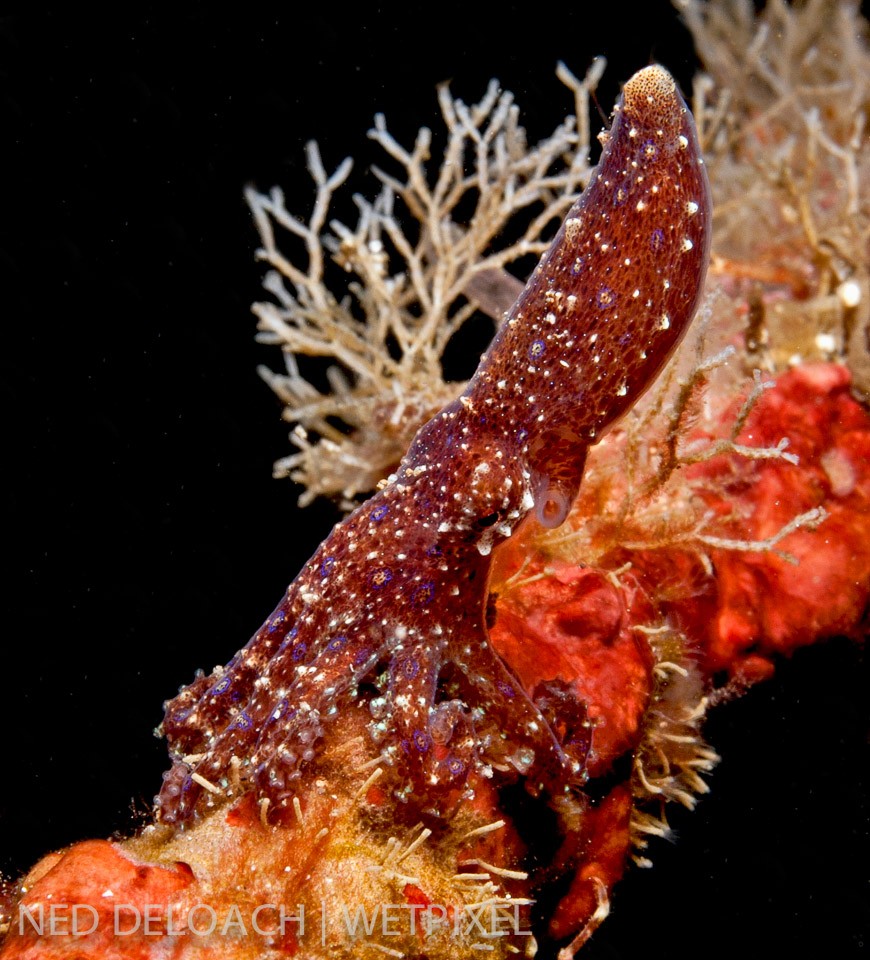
{"points": [[419, 271]]}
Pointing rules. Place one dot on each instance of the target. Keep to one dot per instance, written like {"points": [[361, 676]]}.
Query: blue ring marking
{"points": [[339, 643]]}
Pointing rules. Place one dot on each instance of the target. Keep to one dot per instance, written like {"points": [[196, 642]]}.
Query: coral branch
{"points": [[416, 284]]}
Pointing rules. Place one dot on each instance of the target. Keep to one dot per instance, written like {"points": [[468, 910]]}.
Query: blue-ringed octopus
{"points": [[399, 589]]}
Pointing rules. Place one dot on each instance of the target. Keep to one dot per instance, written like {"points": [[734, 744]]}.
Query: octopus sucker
{"points": [[405, 576]]}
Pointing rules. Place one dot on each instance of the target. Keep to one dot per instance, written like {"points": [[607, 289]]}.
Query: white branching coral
{"points": [[419, 271], [783, 119], [782, 116]]}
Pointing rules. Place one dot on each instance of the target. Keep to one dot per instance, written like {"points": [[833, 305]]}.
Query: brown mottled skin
{"points": [[402, 582]]}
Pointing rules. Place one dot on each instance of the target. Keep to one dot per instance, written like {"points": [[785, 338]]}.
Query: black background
{"points": [[144, 534]]}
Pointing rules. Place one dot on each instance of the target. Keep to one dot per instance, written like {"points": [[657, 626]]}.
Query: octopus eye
{"points": [[553, 510], [552, 505], [488, 520]]}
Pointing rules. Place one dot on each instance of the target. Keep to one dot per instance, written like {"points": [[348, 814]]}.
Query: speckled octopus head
{"points": [[651, 94], [467, 478], [613, 295]]}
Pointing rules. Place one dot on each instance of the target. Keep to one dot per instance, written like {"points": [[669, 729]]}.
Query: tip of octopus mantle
{"points": [[652, 93]]}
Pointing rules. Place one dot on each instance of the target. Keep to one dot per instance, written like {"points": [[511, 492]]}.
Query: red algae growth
{"points": [[468, 714]]}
